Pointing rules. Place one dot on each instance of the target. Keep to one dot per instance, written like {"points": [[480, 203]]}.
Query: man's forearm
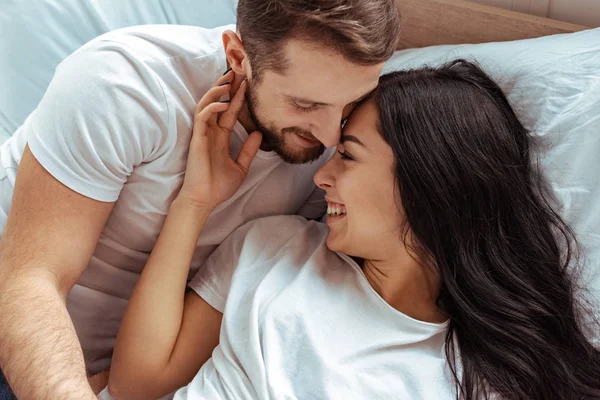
{"points": [[40, 353]]}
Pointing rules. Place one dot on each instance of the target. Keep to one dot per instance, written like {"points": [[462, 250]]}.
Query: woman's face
{"points": [[363, 207]]}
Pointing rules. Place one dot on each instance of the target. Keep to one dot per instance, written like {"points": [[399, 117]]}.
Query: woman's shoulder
{"points": [[277, 247], [282, 228], [271, 240]]}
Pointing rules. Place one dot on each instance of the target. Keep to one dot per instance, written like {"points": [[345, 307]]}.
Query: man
{"points": [[103, 155]]}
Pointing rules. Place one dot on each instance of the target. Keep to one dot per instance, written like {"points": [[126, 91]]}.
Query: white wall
{"points": [[583, 12]]}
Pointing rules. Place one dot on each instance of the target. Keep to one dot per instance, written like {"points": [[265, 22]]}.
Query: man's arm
{"points": [[49, 238]]}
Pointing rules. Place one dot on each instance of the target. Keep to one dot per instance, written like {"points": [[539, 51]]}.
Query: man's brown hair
{"points": [[365, 32]]}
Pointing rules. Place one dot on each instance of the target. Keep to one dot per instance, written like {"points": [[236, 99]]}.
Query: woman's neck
{"points": [[406, 285]]}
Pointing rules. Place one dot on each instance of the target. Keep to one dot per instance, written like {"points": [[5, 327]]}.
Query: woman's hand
{"points": [[212, 176]]}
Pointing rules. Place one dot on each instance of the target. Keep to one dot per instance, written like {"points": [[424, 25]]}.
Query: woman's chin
{"points": [[334, 243]]}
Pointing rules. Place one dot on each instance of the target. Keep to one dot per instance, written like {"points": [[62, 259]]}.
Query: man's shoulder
{"points": [[156, 50], [159, 42], [156, 62]]}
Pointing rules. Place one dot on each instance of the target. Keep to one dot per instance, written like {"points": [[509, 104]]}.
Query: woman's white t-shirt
{"points": [[302, 322]]}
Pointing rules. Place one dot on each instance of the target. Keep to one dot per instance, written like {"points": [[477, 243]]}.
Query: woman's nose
{"points": [[324, 178]]}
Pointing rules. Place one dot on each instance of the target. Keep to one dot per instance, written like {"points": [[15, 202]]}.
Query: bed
{"points": [[548, 68], [558, 105]]}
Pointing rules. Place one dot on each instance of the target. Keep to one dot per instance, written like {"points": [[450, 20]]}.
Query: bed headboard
{"points": [[433, 22]]}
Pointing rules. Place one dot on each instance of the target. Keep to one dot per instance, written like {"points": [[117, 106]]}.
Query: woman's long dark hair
{"points": [[480, 212]]}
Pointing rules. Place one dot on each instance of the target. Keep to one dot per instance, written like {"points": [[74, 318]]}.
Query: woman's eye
{"points": [[345, 156]]}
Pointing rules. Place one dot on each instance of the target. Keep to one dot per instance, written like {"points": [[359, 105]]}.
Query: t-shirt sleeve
{"points": [[104, 113], [248, 254], [213, 279]]}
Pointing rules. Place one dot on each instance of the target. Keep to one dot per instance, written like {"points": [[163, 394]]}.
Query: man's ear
{"points": [[235, 54]]}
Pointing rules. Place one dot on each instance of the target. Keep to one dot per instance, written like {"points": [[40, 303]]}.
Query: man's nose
{"points": [[330, 130]]}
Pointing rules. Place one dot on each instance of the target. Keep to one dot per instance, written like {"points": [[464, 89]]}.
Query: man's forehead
{"points": [[315, 88], [302, 56]]}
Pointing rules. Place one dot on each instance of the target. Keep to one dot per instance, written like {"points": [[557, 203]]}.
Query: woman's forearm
{"points": [[153, 319], [154, 314]]}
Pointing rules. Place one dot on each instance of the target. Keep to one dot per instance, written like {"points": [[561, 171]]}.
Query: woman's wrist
{"points": [[187, 218], [184, 204]]}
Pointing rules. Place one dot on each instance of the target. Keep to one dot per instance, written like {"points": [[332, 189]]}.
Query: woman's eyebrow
{"points": [[350, 138]]}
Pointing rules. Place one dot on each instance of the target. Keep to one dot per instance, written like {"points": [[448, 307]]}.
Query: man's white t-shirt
{"points": [[302, 322], [114, 125]]}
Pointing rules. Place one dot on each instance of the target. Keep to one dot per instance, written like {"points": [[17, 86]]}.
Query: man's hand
{"points": [[50, 236]]}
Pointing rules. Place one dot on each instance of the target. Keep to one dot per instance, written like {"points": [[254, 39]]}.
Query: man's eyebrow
{"points": [[296, 99]]}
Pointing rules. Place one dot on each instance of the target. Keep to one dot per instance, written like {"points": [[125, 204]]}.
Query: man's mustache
{"points": [[302, 132]]}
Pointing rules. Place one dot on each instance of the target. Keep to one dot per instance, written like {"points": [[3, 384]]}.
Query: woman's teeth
{"points": [[336, 210]]}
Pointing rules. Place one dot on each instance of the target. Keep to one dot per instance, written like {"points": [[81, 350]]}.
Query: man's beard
{"points": [[275, 140]]}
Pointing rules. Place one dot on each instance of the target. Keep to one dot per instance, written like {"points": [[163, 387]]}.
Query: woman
{"points": [[442, 271]]}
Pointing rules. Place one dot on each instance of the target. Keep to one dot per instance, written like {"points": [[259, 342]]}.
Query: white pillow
{"points": [[553, 83], [36, 35]]}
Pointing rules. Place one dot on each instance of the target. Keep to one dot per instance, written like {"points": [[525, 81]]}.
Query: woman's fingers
{"points": [[221, 87], [212, 96], [249, 150], [201, 121], [207, 116], [229, 117]]}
